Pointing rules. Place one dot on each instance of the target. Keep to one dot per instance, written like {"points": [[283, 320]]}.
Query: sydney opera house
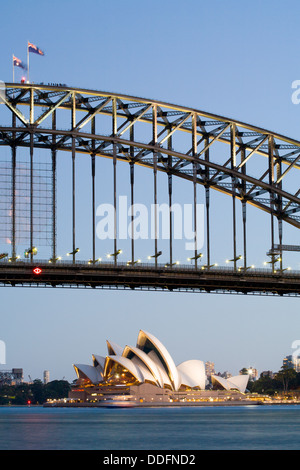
{"points": [[144, 373]]}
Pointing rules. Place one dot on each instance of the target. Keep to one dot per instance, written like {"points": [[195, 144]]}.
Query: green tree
{"points": [[57, 389], [287, 376], [38, 392]]}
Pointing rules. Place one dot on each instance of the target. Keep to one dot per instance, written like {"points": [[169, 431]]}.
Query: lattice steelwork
{"points": [[247, 163], [18, 202], [5, 201]]}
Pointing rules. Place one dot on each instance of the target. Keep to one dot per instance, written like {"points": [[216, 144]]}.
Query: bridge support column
{"points": [[154, 137], [14, 155], [170, 217], [31, 120], [93, 208], [31, 195], [132, 215], [115, 202], [271, 182], [280, 242], [195, 167], [195, 215], [114, 122], [93, 168], [170, 201], [207, 200], [73, 124], [244, 208], [132, 192], [73, 200], [279, 210], [233, 165], [53, 152], [155, 207]]}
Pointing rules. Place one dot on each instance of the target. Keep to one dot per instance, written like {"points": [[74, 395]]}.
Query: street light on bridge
{"points": [[199, 255], [245, 268], [273, 261], [237, 258], [73, 252], [156, 255], [281, 270], [169, 265], [53, 260], [208, 266], [14, 258], [31, 251], [114, 255], [132, 263], [94, 261]]}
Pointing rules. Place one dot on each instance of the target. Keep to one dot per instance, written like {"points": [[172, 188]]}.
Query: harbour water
{"points": [[209, 428]]}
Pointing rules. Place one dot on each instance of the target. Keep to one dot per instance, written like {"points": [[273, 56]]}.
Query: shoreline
{"points": [[164, 405], [155, 404]]}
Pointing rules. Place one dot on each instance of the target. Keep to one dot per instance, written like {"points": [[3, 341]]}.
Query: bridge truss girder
{"points": [[198, 162]]}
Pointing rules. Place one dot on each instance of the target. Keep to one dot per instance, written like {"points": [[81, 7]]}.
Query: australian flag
{"points": [[35, 49], [18, 63]]}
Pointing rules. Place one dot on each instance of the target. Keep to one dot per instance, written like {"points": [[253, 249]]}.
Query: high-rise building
{"points": [[46, 376], [292, 362], [209, 369], [267, 373]]}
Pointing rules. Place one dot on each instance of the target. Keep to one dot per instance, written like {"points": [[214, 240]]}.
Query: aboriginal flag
{"points": [[18, 63], [34, 49]]}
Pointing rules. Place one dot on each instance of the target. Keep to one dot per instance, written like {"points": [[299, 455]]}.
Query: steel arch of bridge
{"points": [[267, 190]]}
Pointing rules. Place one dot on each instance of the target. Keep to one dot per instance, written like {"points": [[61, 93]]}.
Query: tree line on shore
{"points": [[285, 380], [35, 393]]}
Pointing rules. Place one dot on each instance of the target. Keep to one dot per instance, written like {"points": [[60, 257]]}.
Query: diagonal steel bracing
{"points": [[250, 164]]}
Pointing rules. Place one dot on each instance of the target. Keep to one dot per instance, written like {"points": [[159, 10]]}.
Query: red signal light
{"points": [[37, 271]]}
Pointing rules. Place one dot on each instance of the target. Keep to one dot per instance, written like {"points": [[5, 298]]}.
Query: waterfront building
{"points": [[11, 377], [239, 383], [146, 372], [147, 362]]}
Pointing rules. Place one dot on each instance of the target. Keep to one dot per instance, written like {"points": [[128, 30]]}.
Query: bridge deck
{"points": [[184, 278]]}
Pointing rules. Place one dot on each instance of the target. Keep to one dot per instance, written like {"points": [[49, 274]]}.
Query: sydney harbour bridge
{"points": [[60, 157]]}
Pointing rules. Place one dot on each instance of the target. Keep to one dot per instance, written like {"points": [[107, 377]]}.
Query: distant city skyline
{"points": [[195, 54]]}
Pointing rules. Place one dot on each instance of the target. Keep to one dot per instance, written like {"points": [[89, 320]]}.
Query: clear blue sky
{"points": [[233, 58]]}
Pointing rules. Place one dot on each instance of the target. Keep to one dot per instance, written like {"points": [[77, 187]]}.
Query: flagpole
{"points": [[13, 68], [27, 63]]}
